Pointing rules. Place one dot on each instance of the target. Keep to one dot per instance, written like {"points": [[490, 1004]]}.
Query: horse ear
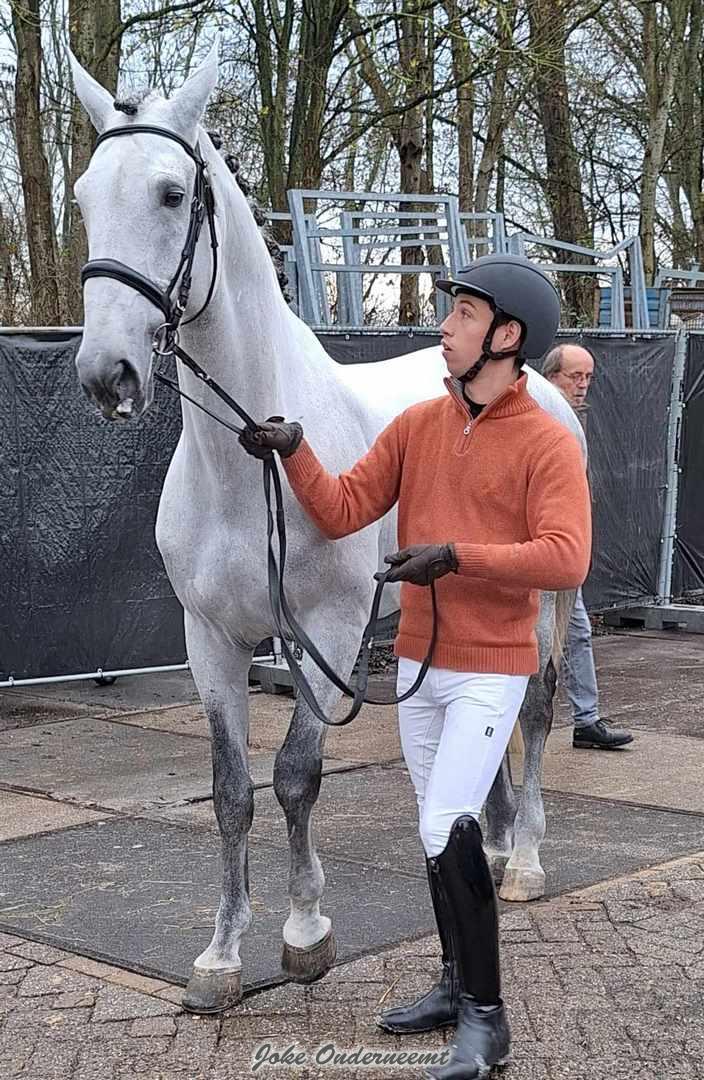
{"points": [[187, 104], [95, 99]]}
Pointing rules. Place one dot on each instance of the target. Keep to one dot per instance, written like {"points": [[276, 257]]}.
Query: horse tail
{"points": [[564, 602]]}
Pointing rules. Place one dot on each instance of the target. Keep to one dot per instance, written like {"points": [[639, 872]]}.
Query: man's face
{"points": [[463, 332], [575, 375]]}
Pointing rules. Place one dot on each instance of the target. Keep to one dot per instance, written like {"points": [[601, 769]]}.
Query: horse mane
{"points": [[275, 252]]}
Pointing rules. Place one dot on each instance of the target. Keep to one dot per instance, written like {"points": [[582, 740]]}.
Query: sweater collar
{"points": [[513, 401]]}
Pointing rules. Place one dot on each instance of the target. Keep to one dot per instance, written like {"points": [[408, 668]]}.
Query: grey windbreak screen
{"points": [[689, 544], [626, 426], [83, 584]]}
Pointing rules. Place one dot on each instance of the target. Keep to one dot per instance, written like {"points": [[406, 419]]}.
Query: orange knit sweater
{"points": [[509, 489]]}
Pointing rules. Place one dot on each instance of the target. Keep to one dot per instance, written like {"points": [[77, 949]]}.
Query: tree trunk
{"points": [[496, 123], [662, 66], [36, 181], [270, 21], [320, 24], [461, 70], [94, 36], [562, 184]]}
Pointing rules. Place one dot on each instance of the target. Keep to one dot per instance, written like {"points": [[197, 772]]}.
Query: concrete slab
{"points": [[23, 815], [657, 770], [129, 693], [372, 736], [101, 763], [176, 719], [18, 710], [118, 766]]}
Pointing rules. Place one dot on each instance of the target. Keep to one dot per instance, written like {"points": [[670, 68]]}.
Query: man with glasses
{"points": [[571, 368]]}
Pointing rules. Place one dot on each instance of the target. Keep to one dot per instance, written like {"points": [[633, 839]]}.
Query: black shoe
{"points": [[435, 1010], [600, 736], [438, 1008], [483, 1041]]}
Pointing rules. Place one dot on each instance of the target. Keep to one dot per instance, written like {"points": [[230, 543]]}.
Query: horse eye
{"points": [[173, 198]]}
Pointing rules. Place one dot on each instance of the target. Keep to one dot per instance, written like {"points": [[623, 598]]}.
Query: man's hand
{"points": [[421, 563], [274, 434]]}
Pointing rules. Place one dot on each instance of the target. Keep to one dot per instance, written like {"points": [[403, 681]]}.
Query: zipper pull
{"points": [[467, 429]]}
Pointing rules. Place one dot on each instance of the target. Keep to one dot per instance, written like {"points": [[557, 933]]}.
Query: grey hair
{"points": [[552, 364]]}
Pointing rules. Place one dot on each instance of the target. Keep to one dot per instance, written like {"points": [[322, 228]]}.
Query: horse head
{"points": [[138, 198]]}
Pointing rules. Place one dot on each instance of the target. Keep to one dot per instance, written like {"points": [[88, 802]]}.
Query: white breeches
{"points": [[454, 733]]}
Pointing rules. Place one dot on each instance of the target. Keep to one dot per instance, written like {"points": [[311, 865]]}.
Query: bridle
{"points": [[166, 343], [202, 206]]}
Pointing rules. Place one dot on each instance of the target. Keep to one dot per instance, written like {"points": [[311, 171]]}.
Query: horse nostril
{"points": [[125, 381]]}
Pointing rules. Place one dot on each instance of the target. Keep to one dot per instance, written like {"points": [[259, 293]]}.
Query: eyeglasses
{"points": [[577, 376]]}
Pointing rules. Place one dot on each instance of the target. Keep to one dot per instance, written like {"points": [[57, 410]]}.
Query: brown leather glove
{"points": [[273, 434], [421, 563]]}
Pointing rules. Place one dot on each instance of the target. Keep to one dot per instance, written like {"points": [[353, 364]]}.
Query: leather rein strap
{"points": [[166, 338]]}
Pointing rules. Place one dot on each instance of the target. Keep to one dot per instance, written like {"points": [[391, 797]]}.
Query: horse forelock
{"points": [[132, 103]]}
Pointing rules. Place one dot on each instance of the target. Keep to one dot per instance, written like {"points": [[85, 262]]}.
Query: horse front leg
{"points": [[500, 815], [309, 945], [524, 877], [220, 672]]}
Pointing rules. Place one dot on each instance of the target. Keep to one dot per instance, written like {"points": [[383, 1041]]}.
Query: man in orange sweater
{"points": [[493, 504]]}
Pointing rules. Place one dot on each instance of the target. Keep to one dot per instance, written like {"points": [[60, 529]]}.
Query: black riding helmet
{"points": [[515, 289]]}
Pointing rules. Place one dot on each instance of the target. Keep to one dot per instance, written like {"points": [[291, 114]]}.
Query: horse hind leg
{"points": [[309, 948], [220, 672], [524, 877], [500, 814]]}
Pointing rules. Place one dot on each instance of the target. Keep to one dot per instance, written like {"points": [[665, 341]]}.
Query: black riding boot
{"points": [[483, 1037], [437, 1008]]}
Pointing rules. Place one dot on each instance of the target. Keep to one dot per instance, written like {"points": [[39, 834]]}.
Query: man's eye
{"points": [[173, 198]]}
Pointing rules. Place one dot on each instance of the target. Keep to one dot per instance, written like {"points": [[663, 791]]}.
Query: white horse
{"points": [[135, 198]]}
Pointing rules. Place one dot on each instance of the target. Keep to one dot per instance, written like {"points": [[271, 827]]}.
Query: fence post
{"points": [[669, 528]]}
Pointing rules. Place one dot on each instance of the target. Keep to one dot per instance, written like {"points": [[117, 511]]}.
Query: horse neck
{"points": [[244, 338]]}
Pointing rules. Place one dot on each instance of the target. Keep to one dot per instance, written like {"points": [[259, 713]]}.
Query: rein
{"points": [[166, 343]]}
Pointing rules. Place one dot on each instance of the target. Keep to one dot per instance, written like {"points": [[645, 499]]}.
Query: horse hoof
{"points": [[307, 965], [212, 992], [522, 885], [497, 866]]}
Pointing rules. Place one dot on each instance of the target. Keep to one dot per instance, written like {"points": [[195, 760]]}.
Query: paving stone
{"points": [[40, 954], [75, 999], [119, 1003], [52, 1061], [8, 941], [12, 978], [156, 1025], [117, 975], [43, 980], [8, 962]]}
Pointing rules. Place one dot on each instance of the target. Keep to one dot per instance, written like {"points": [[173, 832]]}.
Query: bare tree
{"points": [[663, 31], [563, 182], [36, 181]]}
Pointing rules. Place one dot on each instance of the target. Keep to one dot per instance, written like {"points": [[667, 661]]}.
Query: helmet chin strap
{"points": [[487, 352]]}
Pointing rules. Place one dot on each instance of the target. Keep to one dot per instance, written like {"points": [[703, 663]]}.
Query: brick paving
{"points": [[603, 984]]}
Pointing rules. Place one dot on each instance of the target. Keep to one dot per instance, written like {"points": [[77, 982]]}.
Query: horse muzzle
{"points": [[115, 387]]}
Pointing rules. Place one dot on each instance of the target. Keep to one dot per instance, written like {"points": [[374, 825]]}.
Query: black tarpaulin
{"points": [[83, 584], [688, 571], [626, 426]]}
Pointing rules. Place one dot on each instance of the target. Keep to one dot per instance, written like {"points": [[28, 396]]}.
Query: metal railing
{"points": [[631, 247]]}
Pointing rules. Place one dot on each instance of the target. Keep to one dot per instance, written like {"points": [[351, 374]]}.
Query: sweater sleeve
{"points": [[559, 521], [340, 505]]}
